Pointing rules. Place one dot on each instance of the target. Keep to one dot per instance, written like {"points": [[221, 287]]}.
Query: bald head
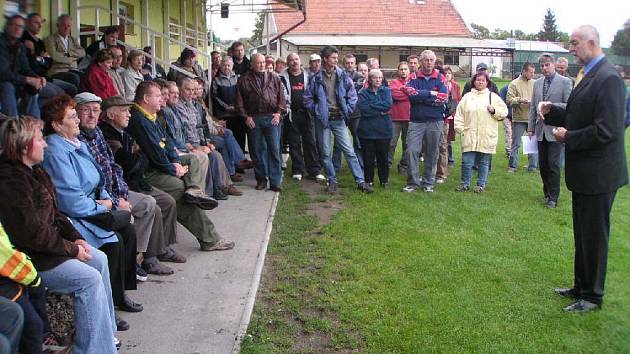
{"points": [[584, 44], [589, 33]]}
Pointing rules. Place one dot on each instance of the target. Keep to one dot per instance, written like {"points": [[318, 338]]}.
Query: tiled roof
{"points": [[432, 17]]}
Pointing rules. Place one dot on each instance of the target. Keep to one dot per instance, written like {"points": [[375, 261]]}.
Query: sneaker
{"points": [[531, 169], [141, 275], [479, 189], [157, 268], [511, 170], [51, 343], [551, 204], [221, 245], [195, 196], [409, 189], [320, 178], [440, 180], [297, 177], [384, 185], [332, 187], [117, 343], [462, 188], [365, 187], [428, 189]]}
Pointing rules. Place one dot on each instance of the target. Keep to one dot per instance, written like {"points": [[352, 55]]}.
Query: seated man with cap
{"points": [[151, 239]]}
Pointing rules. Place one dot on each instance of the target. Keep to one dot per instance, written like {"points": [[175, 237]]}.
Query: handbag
{"points": [[112, 220]]}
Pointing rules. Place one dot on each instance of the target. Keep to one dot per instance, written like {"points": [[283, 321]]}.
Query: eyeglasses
{"points": [[93, 110]]}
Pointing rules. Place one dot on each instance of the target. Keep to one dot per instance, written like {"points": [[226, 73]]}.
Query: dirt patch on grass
{"points": [[324, 206], [289, 305]]}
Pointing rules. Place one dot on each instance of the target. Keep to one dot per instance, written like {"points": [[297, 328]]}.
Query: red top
{"points": [[98, 82], [401, 106]]}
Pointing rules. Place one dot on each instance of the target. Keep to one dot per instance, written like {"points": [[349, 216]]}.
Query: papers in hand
{"points": [[530, 145]]}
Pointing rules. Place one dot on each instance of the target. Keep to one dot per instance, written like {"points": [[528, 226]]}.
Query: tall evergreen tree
{"points": [[621, 42], [549, 31]]}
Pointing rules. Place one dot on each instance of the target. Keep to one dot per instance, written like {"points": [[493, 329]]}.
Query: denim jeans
{"points": [[10, 326], [483, 163], [268, 162], [342, 137], [230, 150], [430, 133], [517, 131], [29, 104], [93, 307]]}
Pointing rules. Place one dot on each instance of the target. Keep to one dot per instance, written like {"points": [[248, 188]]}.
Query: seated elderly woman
{"points": [[82, 195], [97, 79], [66, 262]]}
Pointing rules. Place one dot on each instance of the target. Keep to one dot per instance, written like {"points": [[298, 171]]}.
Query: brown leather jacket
{"points": [[29, 215], [251, 100]]}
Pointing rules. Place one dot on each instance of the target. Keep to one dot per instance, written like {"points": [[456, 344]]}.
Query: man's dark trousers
{"points": [[549, 154], [302, 146], [591, 227]]}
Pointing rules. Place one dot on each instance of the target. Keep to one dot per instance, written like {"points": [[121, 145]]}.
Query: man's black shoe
{"points": [[365, 188], [582, 306], [121, 325], [219, 195], [261, 185], [276, 188], [195, 196], [332, 187], [566, 292], [129, 306]]}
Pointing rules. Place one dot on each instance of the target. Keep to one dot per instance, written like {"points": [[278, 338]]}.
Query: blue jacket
{"points": [[424, 106], [315, 96], [77, 180], [373, 123]]}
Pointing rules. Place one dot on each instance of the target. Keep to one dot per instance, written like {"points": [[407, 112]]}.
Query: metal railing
{"points": [[167, 39]]}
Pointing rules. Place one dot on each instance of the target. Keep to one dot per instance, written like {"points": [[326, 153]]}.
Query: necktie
{"points": [[546, 85], [580, 76]]}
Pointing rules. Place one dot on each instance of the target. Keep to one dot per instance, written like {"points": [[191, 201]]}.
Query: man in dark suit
{"points": [[592, 128]]}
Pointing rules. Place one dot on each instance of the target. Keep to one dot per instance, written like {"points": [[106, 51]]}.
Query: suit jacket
{"points": [[558, 93], [63, 61], [593, 117]]}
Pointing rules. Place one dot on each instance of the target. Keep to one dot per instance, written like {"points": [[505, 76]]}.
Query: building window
{"points": [[361, 58], [126, 10], [451, 59], [403, 57]]}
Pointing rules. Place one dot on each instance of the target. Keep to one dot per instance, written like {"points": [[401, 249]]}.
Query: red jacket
{"points": [[401, 106], [98, 82]]}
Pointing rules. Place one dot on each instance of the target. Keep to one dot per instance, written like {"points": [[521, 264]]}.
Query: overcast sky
{"points": [[608, 16]]}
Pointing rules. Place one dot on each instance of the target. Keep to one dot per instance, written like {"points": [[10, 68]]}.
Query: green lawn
{"points": [[441, 273]]}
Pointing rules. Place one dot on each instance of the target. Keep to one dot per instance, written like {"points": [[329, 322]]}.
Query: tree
{"points": [[621, 42], [501, 34], [549, 30], [256, 38], [479, 31]]}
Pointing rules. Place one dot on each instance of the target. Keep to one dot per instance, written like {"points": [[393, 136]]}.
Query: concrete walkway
{"points": [[207, 303]]}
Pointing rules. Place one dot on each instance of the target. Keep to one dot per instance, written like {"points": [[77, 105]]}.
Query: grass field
{"points": [[441, 273]]}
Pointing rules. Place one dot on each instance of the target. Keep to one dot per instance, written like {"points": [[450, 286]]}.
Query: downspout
{"points": [[278, 36]]}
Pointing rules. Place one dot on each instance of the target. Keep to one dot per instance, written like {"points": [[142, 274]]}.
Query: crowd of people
{"points": [[101, 157]]}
